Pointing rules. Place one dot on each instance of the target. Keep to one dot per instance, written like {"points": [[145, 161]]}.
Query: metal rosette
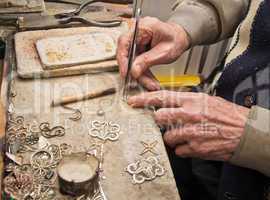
{"points": [[105, 130], [145, 170]]}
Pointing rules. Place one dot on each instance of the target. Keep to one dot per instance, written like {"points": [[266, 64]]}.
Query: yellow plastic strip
{"points": [[179, 81]]}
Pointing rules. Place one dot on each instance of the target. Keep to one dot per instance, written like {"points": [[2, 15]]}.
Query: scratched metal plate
{"points": [[57, 52]]}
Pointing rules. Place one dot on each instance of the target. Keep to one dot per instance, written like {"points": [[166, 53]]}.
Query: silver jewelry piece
{"points": [[149, 147], [145, 170], [105, 130], [76, 115]]}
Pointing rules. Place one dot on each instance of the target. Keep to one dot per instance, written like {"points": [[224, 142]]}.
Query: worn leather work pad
{"points": [[29, 64], [59, 52], [21, 6]]}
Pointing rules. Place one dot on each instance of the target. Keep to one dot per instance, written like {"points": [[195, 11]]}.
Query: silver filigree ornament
{"points": [[105, 130], [18, 184], [145, 170]]}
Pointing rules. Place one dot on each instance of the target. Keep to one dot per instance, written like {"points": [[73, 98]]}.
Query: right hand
{"points": [[167, 42]]}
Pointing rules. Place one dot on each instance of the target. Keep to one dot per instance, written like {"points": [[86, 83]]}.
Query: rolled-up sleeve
{"points": [[208, 21], [254, 149]]}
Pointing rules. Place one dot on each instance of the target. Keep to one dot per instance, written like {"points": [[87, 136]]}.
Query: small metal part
{"points": [[20, 136], [103, 104], [47, 132], [149, 147], [145, 170], [17, 184], [15, 158], [100, 112], [105, 130], [76, 115], [32, 139], [49, 175], [41, 159]]}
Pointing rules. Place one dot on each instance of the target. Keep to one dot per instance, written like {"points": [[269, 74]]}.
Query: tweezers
{"points": [[74, 16], [133, 48]]}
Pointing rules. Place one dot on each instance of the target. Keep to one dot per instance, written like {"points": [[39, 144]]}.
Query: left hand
{"points": [[202, 126]]}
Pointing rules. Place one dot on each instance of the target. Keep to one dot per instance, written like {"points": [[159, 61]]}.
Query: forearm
{"points": [[208, 21], [254, 149]]}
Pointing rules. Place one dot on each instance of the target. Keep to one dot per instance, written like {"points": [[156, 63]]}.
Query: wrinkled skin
{"points": [[167, 42], [198, 125]]}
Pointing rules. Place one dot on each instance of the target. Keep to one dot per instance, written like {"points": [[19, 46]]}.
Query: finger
{"points": [[190, 132], [156, 55], [184, 151], [122, 53], [179, 136], [158, 99], [180, 115], [144, 38], [149, 81]]}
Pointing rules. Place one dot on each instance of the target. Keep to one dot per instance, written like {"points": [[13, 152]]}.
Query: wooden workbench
{"points": [[33, 99]]}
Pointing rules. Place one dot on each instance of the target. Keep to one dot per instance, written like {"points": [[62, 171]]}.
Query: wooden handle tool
{"points": [[91, 95]]}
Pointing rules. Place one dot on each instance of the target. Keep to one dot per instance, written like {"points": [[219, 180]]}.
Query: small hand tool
{"points": [[74, 16], [79, 2], [133, 47], [91, 95]]}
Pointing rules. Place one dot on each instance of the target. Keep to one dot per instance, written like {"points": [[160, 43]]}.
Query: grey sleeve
{"points": [[254, 149], [208, 21]]}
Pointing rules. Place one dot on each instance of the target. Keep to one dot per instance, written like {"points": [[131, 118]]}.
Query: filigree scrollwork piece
{"points": [[105, 130], [47, 132], [145, 170], [18, 184], [20, 137]]}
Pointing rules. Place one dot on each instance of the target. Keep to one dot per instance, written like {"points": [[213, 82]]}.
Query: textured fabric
{"points": [[254, 148], [217, 19], [248, 74], [245, 81], [207, 21]]}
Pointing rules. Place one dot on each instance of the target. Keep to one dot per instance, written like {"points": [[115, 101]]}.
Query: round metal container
{"points": [[78, 174]]}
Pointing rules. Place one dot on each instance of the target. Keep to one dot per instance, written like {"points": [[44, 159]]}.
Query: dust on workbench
{"points": [[32, 100]]}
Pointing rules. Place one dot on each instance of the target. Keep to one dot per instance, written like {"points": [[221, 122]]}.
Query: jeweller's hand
{"points": [[201, 126]]}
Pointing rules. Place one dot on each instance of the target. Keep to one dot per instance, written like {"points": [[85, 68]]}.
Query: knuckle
{"points": [[145, 61], [198, 116], [179, 153], [158, 116], [203, 151], [151, 21], [199, 149], [194, 146]]}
